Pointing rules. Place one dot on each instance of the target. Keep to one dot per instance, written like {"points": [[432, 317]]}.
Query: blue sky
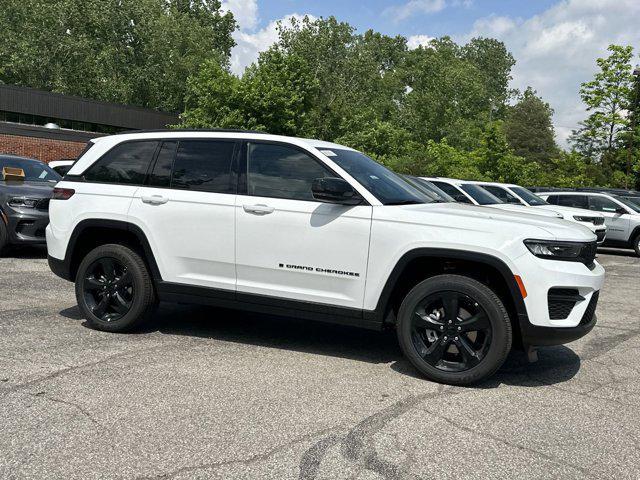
{"points": [[555, 42]]}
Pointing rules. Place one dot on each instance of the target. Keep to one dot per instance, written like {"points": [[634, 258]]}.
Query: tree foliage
{"points": [[138, 52]]}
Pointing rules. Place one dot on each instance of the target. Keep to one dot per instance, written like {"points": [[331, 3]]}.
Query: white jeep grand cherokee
{"points": [[317, 231]]}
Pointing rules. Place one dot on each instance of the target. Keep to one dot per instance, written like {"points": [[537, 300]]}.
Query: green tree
{"points": [[529, 128], [138, 52], [607, 98]]}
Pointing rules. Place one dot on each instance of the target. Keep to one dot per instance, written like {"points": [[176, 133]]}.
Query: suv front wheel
{"points": [[454, 329], [114, 289]]}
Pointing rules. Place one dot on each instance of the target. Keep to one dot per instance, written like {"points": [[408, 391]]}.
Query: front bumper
{"points": [[541, 325], [27, 226]]}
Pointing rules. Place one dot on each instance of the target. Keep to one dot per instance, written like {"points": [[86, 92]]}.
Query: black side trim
{"points": [[59, 267], [179, 293]]}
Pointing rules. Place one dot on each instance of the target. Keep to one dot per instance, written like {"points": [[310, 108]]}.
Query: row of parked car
{"points": [[612, 214]]}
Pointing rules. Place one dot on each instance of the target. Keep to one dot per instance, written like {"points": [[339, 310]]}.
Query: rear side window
{"points": [[204, 165], [126, 164], [576, 201], [279, 171], [161, 174], [457, 195]]}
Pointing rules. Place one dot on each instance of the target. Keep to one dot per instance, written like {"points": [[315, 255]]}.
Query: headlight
{"points": [[556, 250], [23, 202], [578, 218]]}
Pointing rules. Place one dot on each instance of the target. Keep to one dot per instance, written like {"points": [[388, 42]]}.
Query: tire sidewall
{"points": [[636, 244], [501, 335], [138, 306]]}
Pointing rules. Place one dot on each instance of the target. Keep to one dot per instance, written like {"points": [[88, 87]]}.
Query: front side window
{"points": [[602, 204], [452, 191], [279, 171], [529, 197], [502, 193], [576, 201], [126, 163], [480, 195], [204, 166]]}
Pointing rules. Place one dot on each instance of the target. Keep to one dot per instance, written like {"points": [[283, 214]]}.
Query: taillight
{"points": [[62, 193]]}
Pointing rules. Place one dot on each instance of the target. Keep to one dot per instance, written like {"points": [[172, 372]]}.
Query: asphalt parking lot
{"points": [[209, 393]]}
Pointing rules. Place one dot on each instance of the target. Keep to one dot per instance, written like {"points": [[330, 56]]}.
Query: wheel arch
{"points": [[91, 233], [422, 263]]}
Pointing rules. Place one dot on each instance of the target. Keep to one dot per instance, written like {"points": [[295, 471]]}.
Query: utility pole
{"points": [[634, 115]]}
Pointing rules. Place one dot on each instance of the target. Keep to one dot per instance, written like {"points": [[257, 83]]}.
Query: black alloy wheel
{"points": [[454, 329], [114, 289], [451, 331], [108, 289]]}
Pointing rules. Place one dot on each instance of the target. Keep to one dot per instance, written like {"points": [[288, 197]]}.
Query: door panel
{"points": [[617, 223], [302, 250]]}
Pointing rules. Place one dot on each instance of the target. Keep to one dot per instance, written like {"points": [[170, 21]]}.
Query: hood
{"points": [[505, 222], [569, 211], [528, 210], [27, 189]]}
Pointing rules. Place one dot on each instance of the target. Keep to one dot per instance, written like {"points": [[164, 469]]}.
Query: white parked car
{"points": [[464, 191], [621, 215], [317, 231], [517, 195]]}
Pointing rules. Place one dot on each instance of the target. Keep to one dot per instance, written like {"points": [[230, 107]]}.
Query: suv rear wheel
{"points": [[454, 329], [114, 289], [636, 244], [4, 237]]}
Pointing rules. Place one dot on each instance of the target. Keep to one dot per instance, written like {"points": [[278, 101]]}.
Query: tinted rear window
{"points": [[126, 163], [204, 165]]}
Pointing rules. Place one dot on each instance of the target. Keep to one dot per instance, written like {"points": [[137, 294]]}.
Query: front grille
{"points": [[600, 235], [43, 204], [561, 301], [598, 221], [591, 309], [588, 254]]}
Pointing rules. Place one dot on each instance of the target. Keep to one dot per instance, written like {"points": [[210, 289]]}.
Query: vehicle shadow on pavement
{"points": [[619, 252], [555, 364], [28, 253]]}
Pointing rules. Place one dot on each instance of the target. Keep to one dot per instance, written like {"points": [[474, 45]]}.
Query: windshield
{"points": [[529, 196], [628, 202], [34, 171], [480, 195], [430, 189], [634, 200], [388, 187]]}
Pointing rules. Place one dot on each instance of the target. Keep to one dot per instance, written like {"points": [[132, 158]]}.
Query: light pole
{"points": [[634, 115]]}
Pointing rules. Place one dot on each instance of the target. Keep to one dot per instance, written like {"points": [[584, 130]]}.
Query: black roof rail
{"points": [[199, 130]]}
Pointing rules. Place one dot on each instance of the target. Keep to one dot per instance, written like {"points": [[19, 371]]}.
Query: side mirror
{"points": [[621, 211], [335, 190]]}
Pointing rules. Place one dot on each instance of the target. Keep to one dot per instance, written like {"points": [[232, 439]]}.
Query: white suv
{"points": [[317, 231], [517, 195], [621, 215]]}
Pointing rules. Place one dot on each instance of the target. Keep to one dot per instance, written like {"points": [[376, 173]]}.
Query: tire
{"points": [[4, 238], [426, 334], [636, 244], [114, 289]]}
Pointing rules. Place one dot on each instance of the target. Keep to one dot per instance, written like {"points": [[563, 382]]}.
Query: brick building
{"points": [[70, 122]]}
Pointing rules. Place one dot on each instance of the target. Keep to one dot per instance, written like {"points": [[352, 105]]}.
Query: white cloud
{"points": [[557, 50], [413, 7], [244, 11], [249, 44], [414, 41]]}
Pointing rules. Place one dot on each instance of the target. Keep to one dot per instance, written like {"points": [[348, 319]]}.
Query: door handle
{"points": [[258, 209], [154, 199]]}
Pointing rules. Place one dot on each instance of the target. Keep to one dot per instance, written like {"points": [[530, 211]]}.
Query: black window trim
{"points": [[243, 168]]}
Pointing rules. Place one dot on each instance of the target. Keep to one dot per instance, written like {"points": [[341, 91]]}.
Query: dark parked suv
{"points": [[26, 186]]}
